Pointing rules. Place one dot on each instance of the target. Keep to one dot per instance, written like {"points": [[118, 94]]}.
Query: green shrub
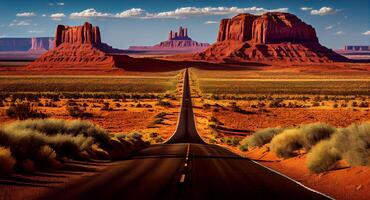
{"points": [[314, 133], [285, 143]]}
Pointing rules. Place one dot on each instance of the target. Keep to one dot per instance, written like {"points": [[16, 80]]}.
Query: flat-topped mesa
{"points": [[85, 34], [270, 37], [269, 28], [77, 47]]}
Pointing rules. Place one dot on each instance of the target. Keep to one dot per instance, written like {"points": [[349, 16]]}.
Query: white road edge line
{"points": [[297, 182]]}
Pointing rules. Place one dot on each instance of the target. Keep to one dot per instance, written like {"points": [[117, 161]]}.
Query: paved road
{"points": [[186, 131], [186, 168]]}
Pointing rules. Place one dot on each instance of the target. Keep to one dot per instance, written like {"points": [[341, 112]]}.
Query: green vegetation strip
{"points": [[332, 87], [86, 84]]}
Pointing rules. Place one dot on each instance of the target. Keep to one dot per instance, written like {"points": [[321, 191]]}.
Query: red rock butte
{"points": [[273, 36], [77, 47], [177, 41]]}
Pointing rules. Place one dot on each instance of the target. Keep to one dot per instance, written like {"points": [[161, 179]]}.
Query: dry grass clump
{"points": [[325, 144], [7, 161], [314, 133], [285, 143], [46, 143], [305, 136], [351, 144], [260, 138], [322, 157]]}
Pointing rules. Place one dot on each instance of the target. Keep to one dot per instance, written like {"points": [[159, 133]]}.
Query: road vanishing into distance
{"points": [[185, 167]]}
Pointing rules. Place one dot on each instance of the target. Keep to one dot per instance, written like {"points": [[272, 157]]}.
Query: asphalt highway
{"points": [[185, 167]]}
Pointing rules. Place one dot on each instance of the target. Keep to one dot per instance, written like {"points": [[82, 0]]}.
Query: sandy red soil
{"points": [[342, 183]]}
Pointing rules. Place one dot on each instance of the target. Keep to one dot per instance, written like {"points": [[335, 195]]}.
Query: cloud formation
{"points": [[328, 27], [57, 16], [20, 23], [26, 14], [306, 8], [178, 13], [211, 22], [324, 11], [36, 31], [366, 33], [339, 33]]}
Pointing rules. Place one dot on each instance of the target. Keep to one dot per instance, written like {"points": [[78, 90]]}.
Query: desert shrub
{"points": [[7, 161], [159, 121], [161, 115], [231, 141], [322, 157], [285, 143], [106, 106], [164, 103], [313, 133], [76, 111], [261, 137], [23, 111], [43, 143], [351, 144], [364, 104]]}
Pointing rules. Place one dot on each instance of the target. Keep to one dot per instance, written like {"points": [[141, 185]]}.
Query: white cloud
{"points": [[339, 33], [324, 11], [92, 13], [366, 33], [57, 16], [211, 22], [178, 13], [328, 27], [43, 15], [60, 4], [20, 23], [26, 14], [306, 8], [195, 11], [36, 31]]}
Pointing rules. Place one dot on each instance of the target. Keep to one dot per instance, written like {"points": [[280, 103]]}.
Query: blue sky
{"points": [[146, 22]]}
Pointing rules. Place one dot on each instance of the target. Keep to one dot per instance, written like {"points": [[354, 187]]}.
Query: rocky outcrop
{"points": [[26, 44], [86, 34], [273, 36], [41, 44], [177, 41], [77, 47]]}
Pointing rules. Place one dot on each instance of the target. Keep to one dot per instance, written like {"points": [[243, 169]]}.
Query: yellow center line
{"points": [[182, 179]]}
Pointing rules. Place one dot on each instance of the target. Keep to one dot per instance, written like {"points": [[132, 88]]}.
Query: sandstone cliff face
{"points": [[268, 28], [86, 34], [270, 37]]}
